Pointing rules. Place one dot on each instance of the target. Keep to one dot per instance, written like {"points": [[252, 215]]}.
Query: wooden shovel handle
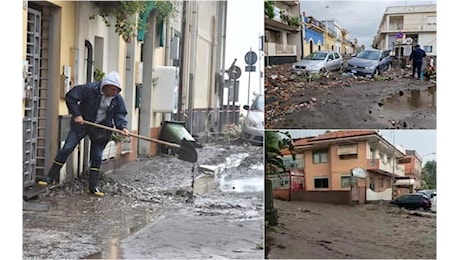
{"points": [[130, 134]]}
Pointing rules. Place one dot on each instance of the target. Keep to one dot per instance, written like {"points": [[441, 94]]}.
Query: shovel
{"points": [[187, 151]]}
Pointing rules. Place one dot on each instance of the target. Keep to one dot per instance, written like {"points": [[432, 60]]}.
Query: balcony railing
{"points": [[377, 164], [275, 49]]}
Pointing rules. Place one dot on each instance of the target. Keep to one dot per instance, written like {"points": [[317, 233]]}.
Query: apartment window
{"points": [[428, 48], [345, 181], [320, 156], [321, 182], [347, 152], [348, 156]]}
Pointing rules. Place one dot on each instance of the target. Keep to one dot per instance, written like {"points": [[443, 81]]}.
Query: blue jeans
{"points": [[72, 140]]}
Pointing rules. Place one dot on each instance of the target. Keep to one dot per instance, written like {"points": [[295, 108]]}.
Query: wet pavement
{"points": [[338, 100], [157, 207]]}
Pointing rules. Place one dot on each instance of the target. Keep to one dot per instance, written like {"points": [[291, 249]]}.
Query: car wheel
{"points": [[377, 72], [322, 70]]}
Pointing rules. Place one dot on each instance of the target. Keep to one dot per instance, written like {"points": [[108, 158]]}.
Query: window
{"points": [[336, 55], [345, 181], [321, 182], [320, 156], [428, 48], [348, 156]]}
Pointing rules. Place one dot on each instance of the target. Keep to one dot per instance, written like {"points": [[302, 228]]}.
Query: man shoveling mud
{"points": [[98, 102]]}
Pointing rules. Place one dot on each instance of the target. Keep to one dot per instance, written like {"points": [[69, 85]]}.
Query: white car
{"points": [[320, 61], [252, 129]]}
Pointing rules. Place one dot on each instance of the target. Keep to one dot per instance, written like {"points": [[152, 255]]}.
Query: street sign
{"points": [[250, 68], [236, 71], [250, 58], [399, 35]]}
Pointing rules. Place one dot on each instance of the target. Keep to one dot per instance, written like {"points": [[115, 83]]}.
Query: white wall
{"points": [[384, 195]]}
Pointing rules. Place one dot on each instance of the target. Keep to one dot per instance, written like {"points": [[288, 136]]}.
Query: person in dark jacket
{"points": [[98, 102], [417, 56]]}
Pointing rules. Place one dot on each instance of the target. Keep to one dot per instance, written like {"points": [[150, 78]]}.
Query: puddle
{"points": [[406, 103], [253, 184]]}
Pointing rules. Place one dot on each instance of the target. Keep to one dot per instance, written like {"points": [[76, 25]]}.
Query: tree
{"points": [[429, 175], [275, 142]]}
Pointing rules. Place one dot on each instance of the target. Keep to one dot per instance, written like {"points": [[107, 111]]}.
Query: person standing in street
{"points": [[417, 56], [98, 102]]}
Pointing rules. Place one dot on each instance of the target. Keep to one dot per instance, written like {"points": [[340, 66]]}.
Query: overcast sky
{"points": [[360, 18], [422, 141], [245, 25]]}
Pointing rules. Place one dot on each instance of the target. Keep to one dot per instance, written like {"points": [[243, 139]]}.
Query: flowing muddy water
{"points": [[151, 211]]}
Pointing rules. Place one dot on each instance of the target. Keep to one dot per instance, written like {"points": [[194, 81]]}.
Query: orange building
{"points": [[347, 167]]}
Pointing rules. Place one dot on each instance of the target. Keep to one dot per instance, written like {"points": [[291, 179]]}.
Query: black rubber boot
{"points": [[93, 182], [52, 174]]}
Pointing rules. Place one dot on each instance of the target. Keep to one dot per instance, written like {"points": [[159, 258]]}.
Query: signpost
{"points": [[250, 58]]}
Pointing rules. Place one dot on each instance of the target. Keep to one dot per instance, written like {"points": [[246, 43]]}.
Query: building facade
{"points": [[402, 27], [348, 167], [66, 43], [283, 37]]}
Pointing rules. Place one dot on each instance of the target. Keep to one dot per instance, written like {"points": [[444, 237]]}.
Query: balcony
{"points": [[274, 49], [378, 165]]}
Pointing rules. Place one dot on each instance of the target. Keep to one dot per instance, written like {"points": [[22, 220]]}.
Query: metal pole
{"points": [[249, 81]]}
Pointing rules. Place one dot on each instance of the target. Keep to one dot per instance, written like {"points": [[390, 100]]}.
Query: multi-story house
{"points": [[348, 167], [283, 37], [313, 35], [66, 43], [402, 27], [413, 172]]}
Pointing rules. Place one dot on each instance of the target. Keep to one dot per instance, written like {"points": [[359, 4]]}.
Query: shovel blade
{"points": [[187, 151]]}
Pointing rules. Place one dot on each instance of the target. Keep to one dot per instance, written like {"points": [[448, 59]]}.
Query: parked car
{"points": [[369, 63], [320, 61], [413, 201], [252, 129], [429, 193]]}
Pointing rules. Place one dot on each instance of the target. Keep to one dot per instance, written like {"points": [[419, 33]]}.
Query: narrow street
{"points": [[339, 100], [152, 211], [310, 230]]}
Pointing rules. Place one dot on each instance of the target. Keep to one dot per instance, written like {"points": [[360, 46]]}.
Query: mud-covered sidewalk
{"points": [[151, 210], [309, 230]]}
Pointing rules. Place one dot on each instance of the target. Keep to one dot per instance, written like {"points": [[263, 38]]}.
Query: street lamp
{"points": [[423, 156]]}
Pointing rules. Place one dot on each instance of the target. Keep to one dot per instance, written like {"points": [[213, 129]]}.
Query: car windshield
{"points": [[258, 104], [369, 55], [316, 56]]}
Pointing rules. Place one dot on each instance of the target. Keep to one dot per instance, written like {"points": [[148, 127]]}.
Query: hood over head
{"points": [[111, 79]]}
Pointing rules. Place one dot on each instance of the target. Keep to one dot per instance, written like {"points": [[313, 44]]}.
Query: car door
{"points": [[337, 61], [330, 61]]}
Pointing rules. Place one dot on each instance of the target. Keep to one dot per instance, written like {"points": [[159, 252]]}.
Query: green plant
{"points": [[269, 9], [165, 9], [125, 14], [98, 75], [294, 21]]}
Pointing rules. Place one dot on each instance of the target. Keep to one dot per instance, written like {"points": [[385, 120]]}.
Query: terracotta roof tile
{"points": [[334, 135]]}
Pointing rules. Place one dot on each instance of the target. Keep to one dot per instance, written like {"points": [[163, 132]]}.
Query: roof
{"points": [[334, 135]]}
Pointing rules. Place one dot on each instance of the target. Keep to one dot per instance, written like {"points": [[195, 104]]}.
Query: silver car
{"points": [[320, 61], [369, 63], [252, 129]]}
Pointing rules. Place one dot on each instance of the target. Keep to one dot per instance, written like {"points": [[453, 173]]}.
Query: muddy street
{"points": [[310, 230], [157, 207], [339, 100]]}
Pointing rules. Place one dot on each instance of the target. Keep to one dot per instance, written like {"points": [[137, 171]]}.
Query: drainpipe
{"points": [[89, 78], [192, 64]]}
